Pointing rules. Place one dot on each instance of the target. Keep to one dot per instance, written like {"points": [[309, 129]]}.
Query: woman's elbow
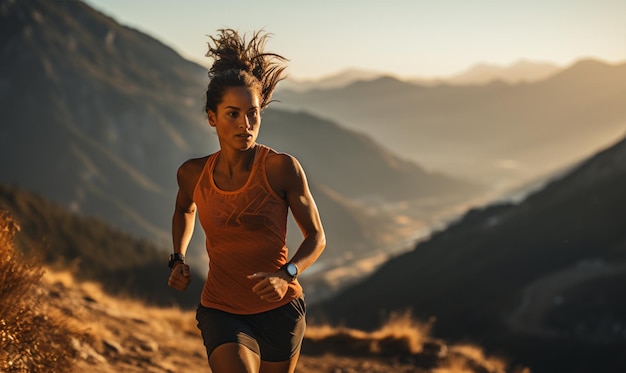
{"points": [[321, 241]]}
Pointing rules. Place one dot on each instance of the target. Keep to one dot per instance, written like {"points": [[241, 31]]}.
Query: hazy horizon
{"points": [[466, 70], [408, 39]]}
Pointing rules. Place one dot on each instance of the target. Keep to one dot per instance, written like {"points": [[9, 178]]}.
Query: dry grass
{"points": [[31, 340], [403, 327], [467, 358], [162, 319], [476, 353], [403, 339], [401, 335], [124, 334]]}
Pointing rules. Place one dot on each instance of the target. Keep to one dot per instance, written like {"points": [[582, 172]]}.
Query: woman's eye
{"points": [[233, 114]]}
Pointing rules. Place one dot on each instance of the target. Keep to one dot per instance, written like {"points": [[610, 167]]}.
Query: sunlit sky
{"points": [[406, 38]]}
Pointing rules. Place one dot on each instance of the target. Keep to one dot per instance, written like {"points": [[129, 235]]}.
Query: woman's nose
{"points": [[245, 122]]}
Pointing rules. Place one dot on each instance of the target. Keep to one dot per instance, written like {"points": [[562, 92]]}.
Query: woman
{"points": [[252, 310]]}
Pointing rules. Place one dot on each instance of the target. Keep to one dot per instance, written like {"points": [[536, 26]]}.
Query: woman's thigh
{"points": [[280, 331], [219, 327]]}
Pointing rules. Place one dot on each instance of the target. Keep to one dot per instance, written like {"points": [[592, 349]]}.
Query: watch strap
{"points": [[175, 257]]}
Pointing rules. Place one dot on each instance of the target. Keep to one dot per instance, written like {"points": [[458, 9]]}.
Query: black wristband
{"points": [[176, 257]]}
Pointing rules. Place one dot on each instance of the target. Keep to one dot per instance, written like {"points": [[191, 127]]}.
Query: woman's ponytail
{"points": [[241, 63]]}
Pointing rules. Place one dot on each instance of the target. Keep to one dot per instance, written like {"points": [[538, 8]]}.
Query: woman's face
{"points": [[237, 118]]}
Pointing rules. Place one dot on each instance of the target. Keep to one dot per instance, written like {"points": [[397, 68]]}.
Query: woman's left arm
{"points": [[304, 210], [287, 178]]}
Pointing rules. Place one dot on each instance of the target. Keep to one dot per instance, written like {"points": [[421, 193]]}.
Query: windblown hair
{"points": [[240, 64]]}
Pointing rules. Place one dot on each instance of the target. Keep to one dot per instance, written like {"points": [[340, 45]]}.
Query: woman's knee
{"points": [[288, 366], [235, 358]]}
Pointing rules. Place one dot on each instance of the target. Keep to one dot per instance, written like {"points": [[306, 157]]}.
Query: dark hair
{"points": [[241, 64]]}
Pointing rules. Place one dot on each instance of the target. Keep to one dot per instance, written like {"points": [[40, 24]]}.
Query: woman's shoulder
{"points": [[283, 167], [193, 164], [190, 170], [280, 160]]}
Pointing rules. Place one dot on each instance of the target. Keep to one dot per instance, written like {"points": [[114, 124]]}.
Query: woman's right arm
{"points": [[184, 219]]}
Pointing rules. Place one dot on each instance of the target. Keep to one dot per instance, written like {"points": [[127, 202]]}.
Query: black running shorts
{"points": [[275, 335]]}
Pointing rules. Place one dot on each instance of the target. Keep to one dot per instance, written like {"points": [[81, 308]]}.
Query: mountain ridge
{"points": [[522, 70], [496, 133], [519, 278]]}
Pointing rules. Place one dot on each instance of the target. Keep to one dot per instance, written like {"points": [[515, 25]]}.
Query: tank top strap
{"points": [[206, 170], [261, 159]]}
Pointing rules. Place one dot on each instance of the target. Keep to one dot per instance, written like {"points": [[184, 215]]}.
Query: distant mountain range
{"points": [[498, 133], [518, 72], [541, 282], [338, 80], [97, 117], [522, 71]]}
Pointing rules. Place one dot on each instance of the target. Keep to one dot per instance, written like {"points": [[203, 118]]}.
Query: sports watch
{"points": [[176, 257], [291, 270]]}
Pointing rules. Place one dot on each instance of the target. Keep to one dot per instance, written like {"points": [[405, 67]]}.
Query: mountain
{"points": [[547, 274], [497, 133], [357, 160], [518, 72], [483, 73], [97, 117], [338, 80]]}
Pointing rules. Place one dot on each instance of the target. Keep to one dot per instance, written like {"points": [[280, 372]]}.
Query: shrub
{"points": [[30, 340]]}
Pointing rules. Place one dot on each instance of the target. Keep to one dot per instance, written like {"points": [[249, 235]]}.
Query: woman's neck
{"points": [[232, 162]]}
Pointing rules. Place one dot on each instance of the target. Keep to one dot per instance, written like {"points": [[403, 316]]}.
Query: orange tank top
{"points": [[245, 233]]}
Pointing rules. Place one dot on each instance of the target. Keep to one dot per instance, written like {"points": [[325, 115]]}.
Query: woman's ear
{"points": [[211, 118]]}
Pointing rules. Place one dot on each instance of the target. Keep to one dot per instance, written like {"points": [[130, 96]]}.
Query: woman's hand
{"points": [[272, 287], [180, 277]]}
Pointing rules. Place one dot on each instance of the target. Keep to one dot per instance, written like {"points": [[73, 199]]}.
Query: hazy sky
{"points": [[412, 38]]}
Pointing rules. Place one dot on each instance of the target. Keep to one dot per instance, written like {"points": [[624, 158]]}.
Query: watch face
{"points": [[292, 269]]}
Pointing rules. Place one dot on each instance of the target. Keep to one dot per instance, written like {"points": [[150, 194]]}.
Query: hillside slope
{"points": [[94, 250], [548, 273]]}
